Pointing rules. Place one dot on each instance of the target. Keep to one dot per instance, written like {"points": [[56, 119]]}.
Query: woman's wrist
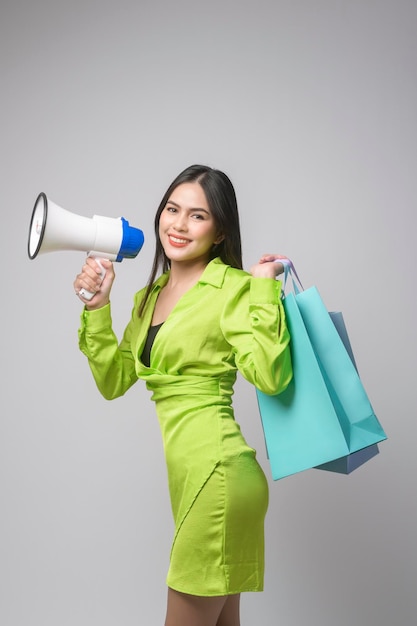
{"points": [[267, 270], [101, 305]]}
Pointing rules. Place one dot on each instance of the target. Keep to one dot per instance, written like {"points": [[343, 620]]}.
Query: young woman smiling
{"points": [[192, 328]]}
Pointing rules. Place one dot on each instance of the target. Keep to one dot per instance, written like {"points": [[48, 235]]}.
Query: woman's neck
{"points": [[185, 274]]}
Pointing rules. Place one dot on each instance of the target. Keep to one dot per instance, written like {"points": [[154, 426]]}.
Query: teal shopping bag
{"points": [[324, 415], [357, 419], [300, 424], [350, 462]]}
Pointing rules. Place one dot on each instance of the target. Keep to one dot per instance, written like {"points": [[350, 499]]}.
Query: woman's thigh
{"points": [[219, 547], [187, 610]]}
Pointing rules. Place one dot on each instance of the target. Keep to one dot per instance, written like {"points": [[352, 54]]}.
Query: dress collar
{"points": [[213, 274]]}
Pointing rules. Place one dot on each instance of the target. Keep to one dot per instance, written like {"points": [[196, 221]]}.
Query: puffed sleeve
{"points": [[253, 323], [112, 364]]}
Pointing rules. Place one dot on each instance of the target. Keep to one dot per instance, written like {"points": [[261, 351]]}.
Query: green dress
{"points": [[228, 321]]}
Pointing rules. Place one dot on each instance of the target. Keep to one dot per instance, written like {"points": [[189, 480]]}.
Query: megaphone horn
{"points": [[53, 228]]}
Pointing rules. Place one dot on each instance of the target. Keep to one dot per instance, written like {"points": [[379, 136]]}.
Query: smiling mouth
{"points": [[178, 241]]}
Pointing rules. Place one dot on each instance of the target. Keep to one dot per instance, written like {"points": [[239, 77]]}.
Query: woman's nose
{"points": [[180, 222]]}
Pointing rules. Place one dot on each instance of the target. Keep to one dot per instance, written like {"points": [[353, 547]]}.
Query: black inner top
{"points": [[146, 354]]}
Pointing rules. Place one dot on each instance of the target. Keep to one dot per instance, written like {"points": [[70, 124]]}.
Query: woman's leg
{"points": [[187, 610], [230, 614]]}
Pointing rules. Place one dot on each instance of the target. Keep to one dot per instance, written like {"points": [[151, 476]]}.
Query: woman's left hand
{"points": [[267, 266]]}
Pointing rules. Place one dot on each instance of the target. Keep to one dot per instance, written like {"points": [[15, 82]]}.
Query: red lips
{"points": [[180, 243]]}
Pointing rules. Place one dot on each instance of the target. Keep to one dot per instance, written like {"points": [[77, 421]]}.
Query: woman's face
{"points": [[186, 226]]}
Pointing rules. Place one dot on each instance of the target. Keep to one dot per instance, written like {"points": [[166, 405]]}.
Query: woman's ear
{"points": [[218, 240]]}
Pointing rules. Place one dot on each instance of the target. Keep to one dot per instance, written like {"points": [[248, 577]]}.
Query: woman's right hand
{"points": [[90, 279]]}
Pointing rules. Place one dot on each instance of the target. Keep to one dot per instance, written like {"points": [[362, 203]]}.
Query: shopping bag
{"points": [[347, 464], [300, 425], [350, 462], [324, 414], [357, 418]]}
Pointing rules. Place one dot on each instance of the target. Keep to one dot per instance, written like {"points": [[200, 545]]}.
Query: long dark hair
{"points": [[221, 199]]}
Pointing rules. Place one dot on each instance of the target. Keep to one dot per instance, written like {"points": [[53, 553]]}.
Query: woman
{"points": [[191, 329]]}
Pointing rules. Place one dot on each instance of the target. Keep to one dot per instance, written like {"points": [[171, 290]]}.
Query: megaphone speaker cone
{"points": [[37, 225]]}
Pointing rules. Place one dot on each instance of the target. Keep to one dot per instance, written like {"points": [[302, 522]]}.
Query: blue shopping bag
{"points": [[350, 462], [324, 418]]}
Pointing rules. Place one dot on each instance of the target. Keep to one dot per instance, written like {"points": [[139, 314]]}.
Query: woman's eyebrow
{"points": [[192, 209]]}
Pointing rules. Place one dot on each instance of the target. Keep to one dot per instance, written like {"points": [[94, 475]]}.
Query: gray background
{"points": [[309, 106]]}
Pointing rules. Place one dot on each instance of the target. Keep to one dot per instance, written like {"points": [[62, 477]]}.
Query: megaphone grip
{"points": [[87, 295]]}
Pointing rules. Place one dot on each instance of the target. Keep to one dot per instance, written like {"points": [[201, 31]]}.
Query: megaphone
{"points": [[53, 228]]}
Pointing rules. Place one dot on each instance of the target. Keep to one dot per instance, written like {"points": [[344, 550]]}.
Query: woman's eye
{"points": [[198, 216]]}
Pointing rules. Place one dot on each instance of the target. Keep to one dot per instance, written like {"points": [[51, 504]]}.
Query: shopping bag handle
{"points": [[290, 271]]}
